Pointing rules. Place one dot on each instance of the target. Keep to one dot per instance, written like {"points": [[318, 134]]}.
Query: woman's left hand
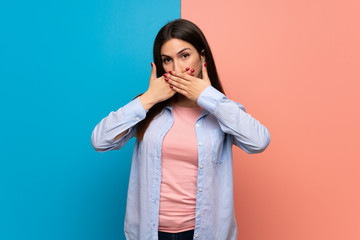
{"points": [[189, 86]]}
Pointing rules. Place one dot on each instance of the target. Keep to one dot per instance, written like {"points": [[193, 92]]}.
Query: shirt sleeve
{"points": [[124, 119], [249, 134]]}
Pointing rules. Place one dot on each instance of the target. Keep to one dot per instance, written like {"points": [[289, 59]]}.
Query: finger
{"points": [[204, 71], [178, 90], [153, 71], [179, 83], [189, 71], [178, 75], [166, 76]]}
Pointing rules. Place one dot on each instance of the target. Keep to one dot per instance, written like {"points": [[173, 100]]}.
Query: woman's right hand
{"points": [[159, 90]]}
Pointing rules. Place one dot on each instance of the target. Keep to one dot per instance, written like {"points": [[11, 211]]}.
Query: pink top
{"points": [[179, 167]]}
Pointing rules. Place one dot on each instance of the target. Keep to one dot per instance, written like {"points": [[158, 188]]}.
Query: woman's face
{"points": [[177, 55]]}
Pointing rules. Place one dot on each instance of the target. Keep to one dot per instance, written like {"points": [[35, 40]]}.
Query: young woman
{"points": [[181, 182]]}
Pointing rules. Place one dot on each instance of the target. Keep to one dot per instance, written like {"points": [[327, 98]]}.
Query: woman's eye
{"points": [[166, 60], [186, 55]]}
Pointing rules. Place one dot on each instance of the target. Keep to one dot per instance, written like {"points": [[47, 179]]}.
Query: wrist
{"points": [[147, 101]]}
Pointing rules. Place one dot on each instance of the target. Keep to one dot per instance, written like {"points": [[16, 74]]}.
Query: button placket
{"points": [[201, 149]]}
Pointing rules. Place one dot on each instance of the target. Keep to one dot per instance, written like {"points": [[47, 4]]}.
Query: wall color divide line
{"points": [[64, 65]]}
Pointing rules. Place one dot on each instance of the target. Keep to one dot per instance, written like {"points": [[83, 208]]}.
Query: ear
{"points": [[202, 56]]}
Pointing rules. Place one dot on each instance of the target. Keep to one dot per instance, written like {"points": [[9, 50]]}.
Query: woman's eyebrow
{"points": [[163, 55], [183, 50]]}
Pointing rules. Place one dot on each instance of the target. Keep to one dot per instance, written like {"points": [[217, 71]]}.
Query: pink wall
{"points": [[295, 66]]}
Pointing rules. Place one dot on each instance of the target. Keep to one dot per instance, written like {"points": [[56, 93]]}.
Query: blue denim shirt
{"points": [[221, 124]]}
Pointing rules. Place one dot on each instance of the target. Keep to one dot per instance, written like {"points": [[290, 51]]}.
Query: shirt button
{"points": [[200, 143], [197, 125], [200, 189], [198, 213], [201, 166], [196, 235], [137, 119]]}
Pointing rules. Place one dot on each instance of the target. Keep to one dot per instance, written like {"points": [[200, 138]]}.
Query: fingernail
{"points": [[191, 74], [165, 75], [187, 69], [171, 86], [192, 70], [166, 79], [205, 64], [170, 72], [151, 64]]}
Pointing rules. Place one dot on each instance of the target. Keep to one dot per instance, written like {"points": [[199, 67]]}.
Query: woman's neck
{"points": [[183, 101]]}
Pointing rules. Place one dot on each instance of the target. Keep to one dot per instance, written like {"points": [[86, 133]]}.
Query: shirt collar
{"points": [[202, 114]]}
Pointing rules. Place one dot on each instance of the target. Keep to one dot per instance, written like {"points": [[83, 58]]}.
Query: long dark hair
{"points": [[187, 31]]}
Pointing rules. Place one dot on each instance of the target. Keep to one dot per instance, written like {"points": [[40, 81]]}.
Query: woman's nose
{"points": [[177, 66]]}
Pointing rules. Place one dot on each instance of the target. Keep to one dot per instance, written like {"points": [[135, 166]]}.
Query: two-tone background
{"points": [[65, 65]]}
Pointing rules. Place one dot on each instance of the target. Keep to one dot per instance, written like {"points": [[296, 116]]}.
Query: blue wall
{"points": [[64, 66]]}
